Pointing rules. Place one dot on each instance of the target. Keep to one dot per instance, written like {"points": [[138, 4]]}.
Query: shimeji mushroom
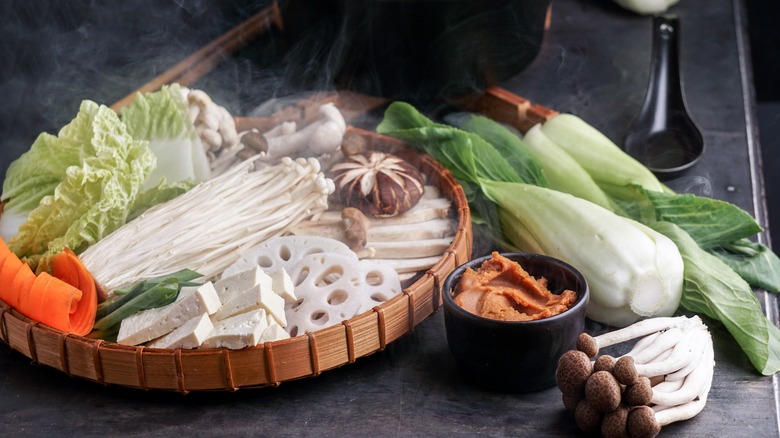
{"points": [[591, 345], [664, 378]]}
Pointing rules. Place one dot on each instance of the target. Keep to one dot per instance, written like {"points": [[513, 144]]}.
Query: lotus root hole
{"points": [[264, 261], [337, 297], [379, 297], [313, 250], [296, 304], [319, 317], [330, 276], [302, 275], [375, 278], [285, 253], [293, 331]]}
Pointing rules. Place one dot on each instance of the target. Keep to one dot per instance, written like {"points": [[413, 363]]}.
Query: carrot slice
{"points": [[60, 301], [65, 300], [34, 305], [11, 266], [67, 267], [22, 284]]}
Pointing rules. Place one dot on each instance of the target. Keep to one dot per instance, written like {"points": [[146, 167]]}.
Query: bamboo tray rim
{"points": [[267, 364]]}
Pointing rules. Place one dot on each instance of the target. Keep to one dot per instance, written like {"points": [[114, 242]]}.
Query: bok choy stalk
{"points": [[612, 169], [561, 171], [633, 271], [718, 227]]}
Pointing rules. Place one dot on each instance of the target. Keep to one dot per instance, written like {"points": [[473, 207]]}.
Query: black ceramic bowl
{"points": [[515, 356]]}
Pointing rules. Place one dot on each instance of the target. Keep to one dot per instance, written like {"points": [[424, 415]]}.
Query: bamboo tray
{"points": [[268, 364]]}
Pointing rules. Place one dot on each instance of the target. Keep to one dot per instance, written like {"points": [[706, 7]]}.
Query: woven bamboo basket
{"points": [[268, 364]]}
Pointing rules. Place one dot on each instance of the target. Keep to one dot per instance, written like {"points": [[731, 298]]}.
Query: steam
{"points": [[56, 54]]}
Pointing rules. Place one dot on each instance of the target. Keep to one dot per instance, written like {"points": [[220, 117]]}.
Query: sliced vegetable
{"points": [[47, 299], [11, 267], [123, 296], [161, 294]]}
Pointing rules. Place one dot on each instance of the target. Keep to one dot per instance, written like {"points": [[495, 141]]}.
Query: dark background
{"points": [[763, 16], [54, 54]]}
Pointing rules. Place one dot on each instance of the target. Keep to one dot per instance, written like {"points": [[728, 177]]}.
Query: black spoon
{"points": [[663, 136]]}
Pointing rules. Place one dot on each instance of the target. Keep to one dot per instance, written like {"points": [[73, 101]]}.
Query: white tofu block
{"points": [[258, 297], [189, 290], [273, 332], [189, 335], [283, 285], [227, 288], [153, 323], [239, 331]]}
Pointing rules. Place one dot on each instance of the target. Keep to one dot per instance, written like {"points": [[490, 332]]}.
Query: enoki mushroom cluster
{"points": [[666, 377]]}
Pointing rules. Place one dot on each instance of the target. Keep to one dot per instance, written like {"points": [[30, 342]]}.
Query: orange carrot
{"points": [[22, 285], [11, 266], [60, 302], [34, 305], [67, 266], [65, 300]]}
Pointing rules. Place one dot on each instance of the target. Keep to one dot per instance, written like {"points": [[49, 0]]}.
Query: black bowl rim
{"points": [[449, 301]]}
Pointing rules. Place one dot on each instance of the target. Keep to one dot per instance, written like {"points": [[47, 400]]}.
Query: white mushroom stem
{"points": [[679, 358], [284, 128], [665, 341], [697, 353], [641, 328], [643, 343], [668, 386], [320, 137], [693, 384], [327, 137]]}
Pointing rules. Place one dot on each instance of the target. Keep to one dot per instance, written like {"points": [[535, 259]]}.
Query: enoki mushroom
{"points": [[665, 378], [207, 228]]}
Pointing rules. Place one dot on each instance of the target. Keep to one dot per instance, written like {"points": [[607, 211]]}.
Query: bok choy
{"points": [[633, 272], [702, 246]]}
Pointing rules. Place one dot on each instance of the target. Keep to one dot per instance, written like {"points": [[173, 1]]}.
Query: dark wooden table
{"points": [[594, 63]]}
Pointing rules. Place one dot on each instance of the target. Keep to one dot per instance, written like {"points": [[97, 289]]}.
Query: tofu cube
{"points": [[258, 297], [227, 288], [283, 285], [239, 331], [189, 335], [273, 332], [153, 323]]}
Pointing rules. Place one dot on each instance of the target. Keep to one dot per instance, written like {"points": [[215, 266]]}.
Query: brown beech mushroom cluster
{"points": [[666, 377]]}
